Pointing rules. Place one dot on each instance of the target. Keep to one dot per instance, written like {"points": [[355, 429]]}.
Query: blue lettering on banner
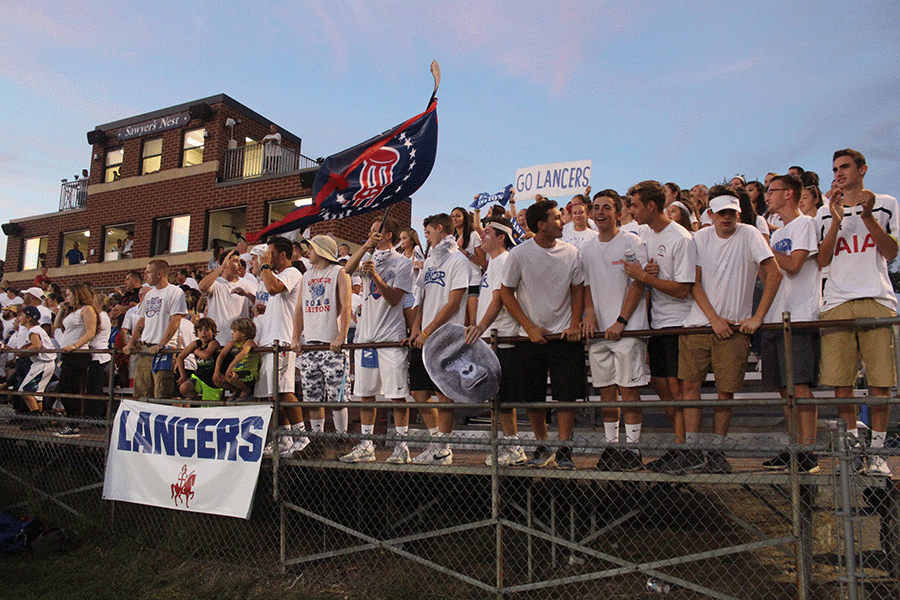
{"points": [[188, 437]]}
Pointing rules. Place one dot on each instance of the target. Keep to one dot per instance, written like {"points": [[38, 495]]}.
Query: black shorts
{"points": [[419, 380], [510, 375], [663, 353], [805, 346], [566, 363]]}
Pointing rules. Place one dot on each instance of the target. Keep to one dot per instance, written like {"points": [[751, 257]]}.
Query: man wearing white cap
{"points": [[34, 296], [322, 317], [729, 255]]}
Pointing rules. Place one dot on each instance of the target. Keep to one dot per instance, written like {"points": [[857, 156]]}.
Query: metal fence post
{"points": [[801, 495], [845, 460], [273, 427], [495, 482]]}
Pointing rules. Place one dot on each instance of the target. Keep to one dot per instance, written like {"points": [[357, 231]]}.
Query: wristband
{"points": [[622, 320], [265, 266], [425, 334]]}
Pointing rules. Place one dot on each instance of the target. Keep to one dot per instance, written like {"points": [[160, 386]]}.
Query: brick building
{"points": [[183, 179]]}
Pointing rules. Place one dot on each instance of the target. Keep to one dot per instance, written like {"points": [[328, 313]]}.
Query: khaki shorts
{"points": [[840, 347], [699, 352]]}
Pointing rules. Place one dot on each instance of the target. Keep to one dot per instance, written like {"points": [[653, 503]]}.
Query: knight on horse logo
{"points": [[183, 489]]}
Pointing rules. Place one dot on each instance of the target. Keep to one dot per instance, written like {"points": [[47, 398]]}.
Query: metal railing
{"points": [[469, 529], [254, 160], [73, 194]]}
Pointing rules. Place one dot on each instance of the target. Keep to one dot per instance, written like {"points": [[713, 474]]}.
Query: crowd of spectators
{"points": [[727, 258]]}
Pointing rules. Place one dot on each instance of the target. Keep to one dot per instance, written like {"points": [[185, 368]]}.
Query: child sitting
{"points": [[42, 363], [240, 376], [201, 384]]}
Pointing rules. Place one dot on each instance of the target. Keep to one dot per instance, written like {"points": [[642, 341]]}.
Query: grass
{"points": [[98, 570]]}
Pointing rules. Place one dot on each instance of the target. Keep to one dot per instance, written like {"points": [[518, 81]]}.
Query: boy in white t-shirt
{"points": [[160, 313], [282, 284], [542, 289], [859, 232], [386, 277], [496, 240], [444, 280], [613, 303], [729, 255], [670, 273], [795, 245]]}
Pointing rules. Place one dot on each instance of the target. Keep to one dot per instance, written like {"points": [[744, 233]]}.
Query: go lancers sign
{"points": [[155, 126]]}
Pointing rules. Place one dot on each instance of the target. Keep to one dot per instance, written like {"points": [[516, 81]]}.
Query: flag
{"points": [[518, 232], [370, 176], [484, 198]]}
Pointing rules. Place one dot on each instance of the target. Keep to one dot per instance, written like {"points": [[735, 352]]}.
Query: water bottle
{"points": [[630, 256], [656, 586]]}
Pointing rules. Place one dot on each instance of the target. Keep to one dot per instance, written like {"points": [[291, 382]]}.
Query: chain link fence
{"points": [[476, 530]]}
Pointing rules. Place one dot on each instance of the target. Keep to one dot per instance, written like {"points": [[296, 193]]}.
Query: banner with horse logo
{"points": [[194, 459]]}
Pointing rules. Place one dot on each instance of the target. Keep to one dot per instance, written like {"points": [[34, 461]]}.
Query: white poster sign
{"points": [[550, 181], [193, 459]]}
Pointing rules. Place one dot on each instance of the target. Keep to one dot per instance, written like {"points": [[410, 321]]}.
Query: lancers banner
{"points": [[193, 459], [553, 180]]}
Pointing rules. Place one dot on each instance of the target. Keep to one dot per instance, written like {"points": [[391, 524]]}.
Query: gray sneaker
{"points": [[543, 458], [400, 456], [361, 453], [684, 462], [717, 463]]}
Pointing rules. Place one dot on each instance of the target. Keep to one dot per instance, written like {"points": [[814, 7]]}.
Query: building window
{"points": [[279, 209], [116, 242], [35, 253], [192, 152], [171, 234], [151, 157], [74, 247], [226, 227], [113, 168]]}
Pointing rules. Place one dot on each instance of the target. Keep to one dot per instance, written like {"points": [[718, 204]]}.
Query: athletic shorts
{"points": [[662, 351], [381, 371], [699, 352], [805, 350], [419, 379], [564, 361], [38, 376], [840, 347], [286, 383], [206, 391], [622, 363]]}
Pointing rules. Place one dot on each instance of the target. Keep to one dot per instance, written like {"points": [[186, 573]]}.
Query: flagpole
{"points": [[436, 73]]}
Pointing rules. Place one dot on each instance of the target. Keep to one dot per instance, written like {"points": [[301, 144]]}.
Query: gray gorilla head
{"points": [[462, 372]]}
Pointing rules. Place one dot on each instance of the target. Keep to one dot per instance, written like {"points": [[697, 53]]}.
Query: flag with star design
{"points": [[370, 176]]}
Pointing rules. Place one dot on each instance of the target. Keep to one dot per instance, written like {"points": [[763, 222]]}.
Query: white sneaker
{"points": [[400, 455], [293, 445], [877, 466], [361, 453], [508, 456], [434, 454]]}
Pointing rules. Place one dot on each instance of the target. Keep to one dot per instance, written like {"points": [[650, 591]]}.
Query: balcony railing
{"points": [[73, 194], [254, 160]]}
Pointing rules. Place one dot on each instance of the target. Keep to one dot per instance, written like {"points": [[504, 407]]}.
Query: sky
{"points": [[690, 92]]}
